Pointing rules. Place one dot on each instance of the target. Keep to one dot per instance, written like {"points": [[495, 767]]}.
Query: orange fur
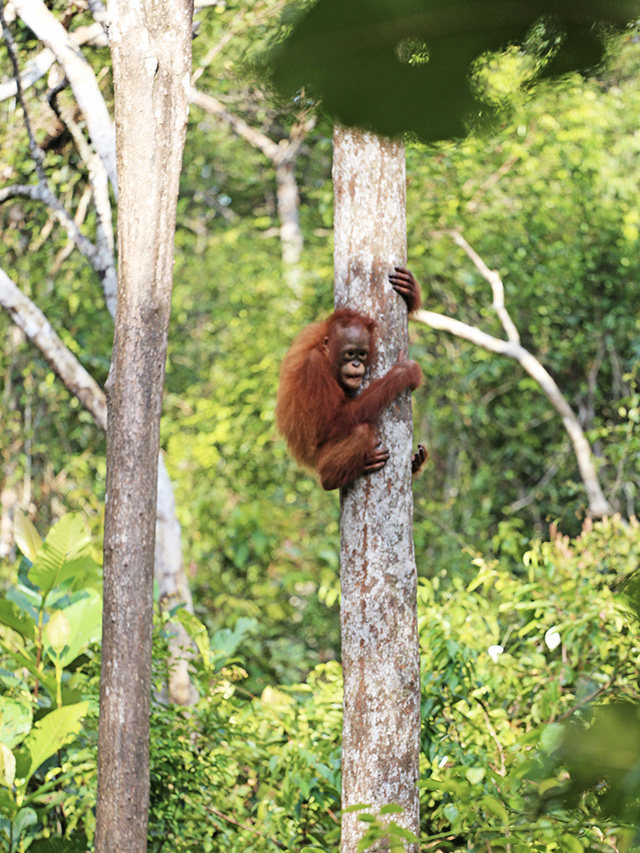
{"points": [[326, 428]]}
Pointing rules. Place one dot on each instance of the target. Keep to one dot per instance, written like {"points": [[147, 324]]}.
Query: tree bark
{"points": [[380, 656], [151, 51], [101, 258]]}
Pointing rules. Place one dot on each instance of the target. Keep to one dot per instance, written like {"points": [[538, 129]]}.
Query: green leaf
{"points": [[551, 737], [391, 808], [402, 832], [475, 775], [27, 537], [14, 617], [495, 807], [61, 554], [16, 719], [356, 807], [228, 641], [548, 785], [571, 844], [57, 631], [45, 678], [51, 733], [7, 766], [23, 821], [85, 621], [196, 631]]}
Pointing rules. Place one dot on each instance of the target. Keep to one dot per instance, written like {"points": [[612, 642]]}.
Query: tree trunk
{"points": [[151, 50], [64, 47], [381, 731]]}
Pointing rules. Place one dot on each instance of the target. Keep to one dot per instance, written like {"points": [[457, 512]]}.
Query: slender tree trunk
{"points": [[151, 50], [64, 47], [381, 732]]}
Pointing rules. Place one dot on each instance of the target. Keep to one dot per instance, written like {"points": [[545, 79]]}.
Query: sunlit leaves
{"points": [[404, 65]]}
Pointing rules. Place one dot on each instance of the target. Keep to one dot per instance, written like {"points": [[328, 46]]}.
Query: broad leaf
{"points": [[196, 630], [23, 658], [7, 766], [51, 733], [25, 820], [14, 617], [85, 626], [55, 561], [16, 718], [27, 537]]}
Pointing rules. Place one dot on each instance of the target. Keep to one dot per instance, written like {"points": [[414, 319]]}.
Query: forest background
{"points": [[520, 627]]}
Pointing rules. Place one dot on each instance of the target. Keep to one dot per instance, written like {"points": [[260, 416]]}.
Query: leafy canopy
{"points": [[404, 65]]}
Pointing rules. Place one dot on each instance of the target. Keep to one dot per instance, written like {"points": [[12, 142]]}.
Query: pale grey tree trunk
{"points": [[151, 51], [381, 731]]}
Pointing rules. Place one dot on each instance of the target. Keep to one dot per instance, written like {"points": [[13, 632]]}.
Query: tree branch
{"points": [[283, 157], [254, 137], [598, 504], [36, 152], [493, 277], [81, 78], [100, 259], [93, 34], [28, 317]]}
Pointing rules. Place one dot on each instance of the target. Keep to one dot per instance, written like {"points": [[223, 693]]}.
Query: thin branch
{"points": [[99, 183], [598, 504], [254, 137], [36, 152], [528, 499], [94, 35], [244, 826], [81, 78], [493, 277], [283, 157], [28, 317], [491, 181], [99, 259]]}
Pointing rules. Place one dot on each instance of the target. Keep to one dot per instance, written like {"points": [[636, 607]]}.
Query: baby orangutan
{"points": [[327, 424]]}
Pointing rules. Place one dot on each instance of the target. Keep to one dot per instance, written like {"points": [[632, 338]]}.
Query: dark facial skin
{"points": [[352, 357]]}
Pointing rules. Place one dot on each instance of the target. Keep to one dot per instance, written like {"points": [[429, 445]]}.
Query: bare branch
{"points": [[530, 497], [491, 181], [100, 259], [28, 317], [283, 157], [598, 504], [36, 152], [493, 277], [94, 35], [81, 78], [99, 183], [254, 137]]}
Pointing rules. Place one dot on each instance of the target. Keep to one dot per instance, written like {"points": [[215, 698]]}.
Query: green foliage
{"points": [[48, 621], [237, 772], [404, 65], [512, 662], [544, 201], [506, 660]]}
